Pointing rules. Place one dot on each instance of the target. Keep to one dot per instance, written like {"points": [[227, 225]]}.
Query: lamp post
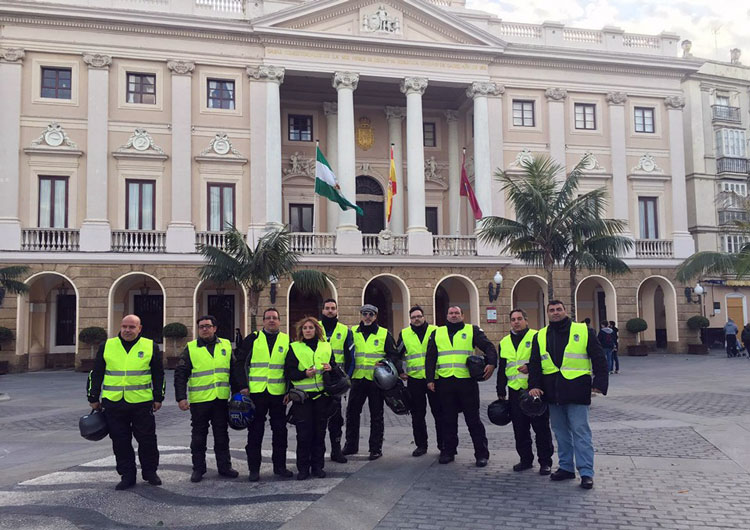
{"points": [[698, 290], [274, 284], [493, 291]]}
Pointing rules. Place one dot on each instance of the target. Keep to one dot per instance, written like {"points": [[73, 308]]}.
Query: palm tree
{"points": [[9, 282], [254, 269], [736, 265]]}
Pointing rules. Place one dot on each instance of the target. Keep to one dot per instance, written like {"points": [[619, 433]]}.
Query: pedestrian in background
{"points": [[607, 340], [730, 334], [615, 352]]}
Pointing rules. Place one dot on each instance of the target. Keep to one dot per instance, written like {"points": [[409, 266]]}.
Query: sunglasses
{"points": [[368, 314]]}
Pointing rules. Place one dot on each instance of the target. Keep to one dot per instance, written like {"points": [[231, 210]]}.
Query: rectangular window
{"points": [[430, 138], [722, 101], [56, 82], [220, 94], [53, 202], [140, 204], [141, 88], [585, 114], [730, 143], [220, 207], [301, 217], [431, 219], [734, 194], [300, 128], [644, 120], [523, 113], [648, 219], [734, 243]]}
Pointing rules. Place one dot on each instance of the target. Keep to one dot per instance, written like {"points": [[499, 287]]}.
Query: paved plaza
{"points": [[672, 442]]}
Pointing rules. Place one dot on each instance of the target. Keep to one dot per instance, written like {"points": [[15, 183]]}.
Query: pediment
{"points": [[413, 21]]}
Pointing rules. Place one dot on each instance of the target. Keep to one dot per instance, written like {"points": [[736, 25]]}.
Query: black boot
{"points": [[336, 454], [127, 481]]}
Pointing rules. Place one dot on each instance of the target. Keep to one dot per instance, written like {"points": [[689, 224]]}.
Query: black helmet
{"points": [[336, 382], [531, 406], [397, 399], [93, 426], [385, 375], [241, 411], [294, 416], [296, 395], [499, 412], [476, 364]]}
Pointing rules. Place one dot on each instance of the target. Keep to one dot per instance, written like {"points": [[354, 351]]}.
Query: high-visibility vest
{"points": [[368, 352], [514, 359], [416, 350], [307, 358], [452, 355], [127, 375], [266, 370], [209, 379], [576, 361], [337, 339]]}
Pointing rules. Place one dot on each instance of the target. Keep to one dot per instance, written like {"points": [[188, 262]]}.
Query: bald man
{"points": [[127, 382]]}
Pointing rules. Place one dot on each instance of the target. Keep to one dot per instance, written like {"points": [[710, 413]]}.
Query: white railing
{"points": [[524, 31], [653, 248], [222, 6], [139, 241], [50, 239], [641, 41], [212, 239], [454, 245], [313, 243], [398, 246], [582, 35]]}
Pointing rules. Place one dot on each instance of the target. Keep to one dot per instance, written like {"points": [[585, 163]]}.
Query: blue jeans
{"points": [[570, 424], [609, 353]]}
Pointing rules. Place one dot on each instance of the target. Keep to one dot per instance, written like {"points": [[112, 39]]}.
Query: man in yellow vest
{"points": [[563, 357], [128, 383], [412, 343], [371, 344], [260, 374], [342, 345], [513, 372], [201, 385], [447, 374]]}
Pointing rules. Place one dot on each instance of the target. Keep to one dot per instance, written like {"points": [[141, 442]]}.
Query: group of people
{"points": [[563, 363], [730, 339]]}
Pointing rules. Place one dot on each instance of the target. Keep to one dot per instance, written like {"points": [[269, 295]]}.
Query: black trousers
{"points": [[335, 423], [126, 421], [732, 346], [420, 396], [273, 406], [364, 389], [215, 413], [522, 425], [461, 395], [311, 432]]}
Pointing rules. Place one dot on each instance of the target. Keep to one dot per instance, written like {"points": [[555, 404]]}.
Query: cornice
{"points": [[541, 62]]}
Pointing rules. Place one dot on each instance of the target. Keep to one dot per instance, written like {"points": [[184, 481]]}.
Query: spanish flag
{"points": [[392, 187]]}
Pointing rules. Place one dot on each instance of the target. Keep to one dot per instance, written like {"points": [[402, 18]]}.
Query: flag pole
{"points": [[458, 217], [389, 204], [315, 195]]}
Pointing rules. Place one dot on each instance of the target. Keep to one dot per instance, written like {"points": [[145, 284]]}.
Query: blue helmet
{"points": [[241, 411]]}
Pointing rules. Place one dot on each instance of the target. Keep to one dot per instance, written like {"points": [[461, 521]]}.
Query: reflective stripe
{"points": [[276, 381], [368, 355], [451, 365], [455, 352], [563, 369], [309, 386], [209, 386], [269, 366], [576, 355], [518, 376], [363, 367], [126, 387], [513, 364], [337, 351], [210, 372], [414, 356], [276, 366], [256, 378], [414, 369], [127, 372]]}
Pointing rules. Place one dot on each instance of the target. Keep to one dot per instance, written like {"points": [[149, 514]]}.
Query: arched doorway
{"points": [[391, 296], [657, 305], [456, 290], [530, 294], [47, 320], [596, 299], [370, 199], [300, 305], [226, 303], [140, 294]]}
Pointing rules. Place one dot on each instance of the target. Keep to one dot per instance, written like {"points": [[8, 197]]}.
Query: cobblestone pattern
{"points": [[699, 403]]}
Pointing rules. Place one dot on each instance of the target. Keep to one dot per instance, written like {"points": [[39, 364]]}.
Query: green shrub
{"points": [[697, 322], [636, 325], [175, 330], [6, 335], [93, 335]]}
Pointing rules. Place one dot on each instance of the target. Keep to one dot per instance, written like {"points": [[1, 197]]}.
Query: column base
{"points": [[10, 234], [95, 236], [348, 241], [180, 238], [683, 245], [420, 243], [487, 249]]}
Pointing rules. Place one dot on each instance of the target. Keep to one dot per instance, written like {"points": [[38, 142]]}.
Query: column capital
{"points": [[348, 80], [395, 113], [484, 89], [556, 94], [414, 85], [97, 61], [181, 67], [451, 115], [12, 55], [674, 102], [330, 108], [265, 72], [616, 98]]}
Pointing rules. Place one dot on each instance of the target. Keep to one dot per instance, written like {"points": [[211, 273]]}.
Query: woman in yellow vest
{"points": [[311, 355]]}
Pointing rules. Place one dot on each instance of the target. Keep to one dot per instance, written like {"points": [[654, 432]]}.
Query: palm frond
{"points": [[705, 263], [310, 281], [9, 279]]}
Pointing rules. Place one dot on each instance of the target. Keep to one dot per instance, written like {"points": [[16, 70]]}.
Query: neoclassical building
{"points": [[134, 130]]}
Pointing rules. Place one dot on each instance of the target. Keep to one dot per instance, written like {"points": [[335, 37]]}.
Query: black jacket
{"points": [[348, 345], [502, 379], [96, 376], [291, 365], [480, 341], [243, 356], [557, 389], [185, 367]]}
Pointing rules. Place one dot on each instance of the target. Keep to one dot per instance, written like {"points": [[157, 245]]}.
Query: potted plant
{"points": [[6, 335], [174, 331], [92, 336], [697, 323], [635, 326]]}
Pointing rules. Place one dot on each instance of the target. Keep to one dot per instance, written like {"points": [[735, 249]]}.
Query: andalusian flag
{"points": [[392, 187], [326, 185]]}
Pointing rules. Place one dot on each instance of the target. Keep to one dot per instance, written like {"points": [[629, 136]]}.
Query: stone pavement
{"points": [[671, 441]]}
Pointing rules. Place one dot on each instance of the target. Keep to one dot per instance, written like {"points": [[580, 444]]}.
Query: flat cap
{"points": [[369, 307]]}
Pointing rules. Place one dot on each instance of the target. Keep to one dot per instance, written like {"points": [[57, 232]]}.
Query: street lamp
{"points": [[493, 291], [698, 290], [274, 283]]}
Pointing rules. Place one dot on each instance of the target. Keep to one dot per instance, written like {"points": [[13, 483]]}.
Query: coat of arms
{"points": [[365, 134]]}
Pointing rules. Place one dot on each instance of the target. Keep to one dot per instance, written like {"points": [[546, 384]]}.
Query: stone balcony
{"points": [[50, 239], [726, 114], [653, 248]]}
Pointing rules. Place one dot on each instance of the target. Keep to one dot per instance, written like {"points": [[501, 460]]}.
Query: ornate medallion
{"points": [[365, 134]]}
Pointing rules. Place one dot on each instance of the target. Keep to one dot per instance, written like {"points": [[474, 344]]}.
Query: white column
{"points": [[331, 152], [682, 241], [617, 128], [348, 237], [11, 64], [420, 240], [556, 109], [495, 116], [180, 230], [395, 117], [454, 173], [96, 231]]}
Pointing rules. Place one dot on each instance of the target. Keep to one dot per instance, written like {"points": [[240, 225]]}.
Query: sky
{"points": [[714, 26]]}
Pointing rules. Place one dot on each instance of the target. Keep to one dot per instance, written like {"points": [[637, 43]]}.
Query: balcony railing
{"points": [[139, 241], [731, 165], [725, 113], [397, 245], [653, 248], [313, 243], [213, 239], [454, 245], [729, 217], [50, 239]]}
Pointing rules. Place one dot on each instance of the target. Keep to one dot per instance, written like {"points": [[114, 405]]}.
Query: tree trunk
{"points": [[550, 284], [573, 282], [254, 299]]}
